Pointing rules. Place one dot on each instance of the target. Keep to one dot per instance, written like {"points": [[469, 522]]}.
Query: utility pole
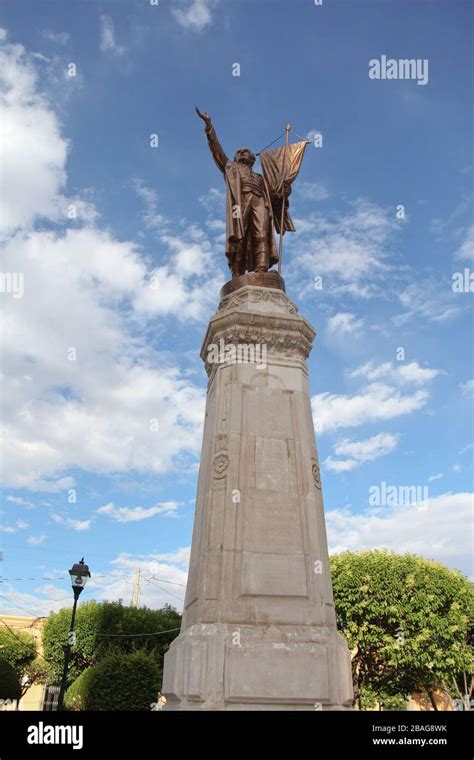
{"points": [[136, 588]]}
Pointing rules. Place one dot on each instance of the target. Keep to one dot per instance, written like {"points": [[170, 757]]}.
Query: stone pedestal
{"points": [[259, 627]]}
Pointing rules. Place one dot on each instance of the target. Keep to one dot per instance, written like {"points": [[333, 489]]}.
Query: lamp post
{"points": [[79, 574]]}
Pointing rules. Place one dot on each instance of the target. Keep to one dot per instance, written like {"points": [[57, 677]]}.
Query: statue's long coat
{"points": [[235, 232]]}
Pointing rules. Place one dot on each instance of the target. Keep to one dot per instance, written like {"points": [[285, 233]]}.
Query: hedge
{"points": [[118, 682]]}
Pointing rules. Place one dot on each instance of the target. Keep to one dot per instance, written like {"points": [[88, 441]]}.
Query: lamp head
{"points": [[79, 573]]}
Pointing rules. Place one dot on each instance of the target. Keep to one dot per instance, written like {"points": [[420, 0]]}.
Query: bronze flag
{"points": [[280, 168]]}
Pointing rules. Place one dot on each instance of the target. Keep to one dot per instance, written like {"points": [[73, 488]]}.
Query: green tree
{"points": [[118, 682], [371, 701], [9, 681], [407, 620], [106, 628], [36, 672], [17, 647]]}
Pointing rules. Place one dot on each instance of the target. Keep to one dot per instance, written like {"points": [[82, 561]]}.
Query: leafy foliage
{"points": [[93, 621], [36, 672], [18, 648], [382, 701], [9, 681], [407, 620], [118, 682]]}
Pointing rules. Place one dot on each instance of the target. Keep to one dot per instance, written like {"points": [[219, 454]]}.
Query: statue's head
{"points": [[245, 156]]}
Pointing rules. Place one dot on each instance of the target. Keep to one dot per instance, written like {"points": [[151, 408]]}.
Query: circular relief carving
{"points": [[220, 464], [316, 474]]}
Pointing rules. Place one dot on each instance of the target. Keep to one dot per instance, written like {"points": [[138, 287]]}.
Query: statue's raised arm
{"points": [[215, 147]]}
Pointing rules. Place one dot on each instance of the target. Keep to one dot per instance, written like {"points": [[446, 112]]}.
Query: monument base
{"points": [[259, 625], [214, 666]]}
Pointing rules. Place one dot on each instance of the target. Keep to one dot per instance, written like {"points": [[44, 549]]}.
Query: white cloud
{"points": [[54, 593], [399, 373], [355, 453], [3, 34], [107, 36], [377, 402], [164, 578], [413, 373], [311, 191], [134, 514], [429, 299], [195, 14], [59, 38], [36, 540], [179, 557], [17, 602], [344, 323], [95, 412], [87, 291], [78, 525], [151, 218], [214, 200], [182, 287], [465, 251], [438, 476], [19, 525], [439, 530], [384, 397], [349, 249], [19, 500], [32, 150], [467, 389]]}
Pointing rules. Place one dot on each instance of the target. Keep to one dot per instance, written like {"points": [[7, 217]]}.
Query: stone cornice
{"points": [[258, 316], [254, 298]]}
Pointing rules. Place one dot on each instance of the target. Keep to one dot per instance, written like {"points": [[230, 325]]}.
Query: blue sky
{"points": [[81, 427]]}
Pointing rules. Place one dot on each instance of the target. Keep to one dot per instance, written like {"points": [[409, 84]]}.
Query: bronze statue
{"points": [[256, 204]]}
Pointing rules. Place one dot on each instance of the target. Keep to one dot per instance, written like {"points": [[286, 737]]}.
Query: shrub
{"points": [[118, 682]]}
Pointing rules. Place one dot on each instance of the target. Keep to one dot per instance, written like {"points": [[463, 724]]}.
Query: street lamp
{"points": [[79, 574]]}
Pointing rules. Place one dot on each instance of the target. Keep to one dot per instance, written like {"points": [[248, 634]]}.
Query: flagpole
{"points": [[282, 218]]}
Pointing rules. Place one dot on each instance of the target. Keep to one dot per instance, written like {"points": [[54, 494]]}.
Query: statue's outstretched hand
{"points": [[204, 116]]}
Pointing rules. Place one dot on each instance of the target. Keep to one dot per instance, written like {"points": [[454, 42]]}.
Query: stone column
{"points": [[259, 627]]}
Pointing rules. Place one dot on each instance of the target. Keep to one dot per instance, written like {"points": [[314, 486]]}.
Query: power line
{"points": [[94, 575], [163, 580], [18, 606], [135, 635], [37, 652], [55, 578], [163, 589], [12, 631]]}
